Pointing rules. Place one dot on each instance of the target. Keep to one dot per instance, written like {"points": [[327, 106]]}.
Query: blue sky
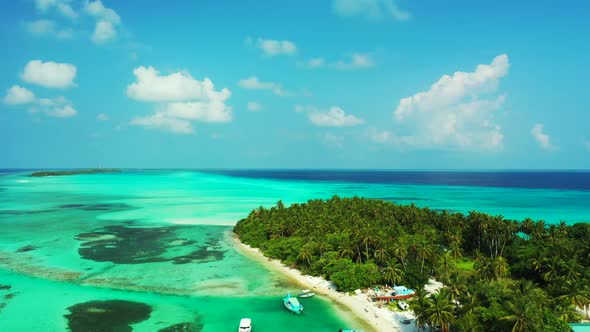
{"points": [[295, 84]]}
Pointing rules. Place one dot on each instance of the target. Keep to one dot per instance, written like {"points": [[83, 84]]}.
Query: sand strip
{"points": [[380, 319]]}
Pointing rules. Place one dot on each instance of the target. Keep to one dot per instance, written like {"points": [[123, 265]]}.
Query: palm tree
{"points": [[499, 267], [446, 265], [400, 250], [393, 272], [441, 311], [520, 314], [305, 254], [381, 255], [419, 305], [578, 297], [346, 250], [527, 227], [457, 288]]}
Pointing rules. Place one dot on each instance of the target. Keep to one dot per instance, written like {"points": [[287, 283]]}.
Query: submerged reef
{"points": [[106, 316], [184, 327], [137, 245]]}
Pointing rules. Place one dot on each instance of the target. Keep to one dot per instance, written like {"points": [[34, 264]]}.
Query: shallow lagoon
{"points": [[163, 239]]}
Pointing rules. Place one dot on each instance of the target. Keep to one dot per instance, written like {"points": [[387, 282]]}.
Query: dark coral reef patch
{"points": [[137, 245], [106, 316]]}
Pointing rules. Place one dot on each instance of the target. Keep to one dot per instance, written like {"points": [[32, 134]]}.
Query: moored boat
{"points": [[306, 293], [245, 325], [292, 304]]}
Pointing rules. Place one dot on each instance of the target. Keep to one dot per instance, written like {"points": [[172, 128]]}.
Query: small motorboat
{"points": [[306, 293], [292, 304], [403, 305], [245, 325]]}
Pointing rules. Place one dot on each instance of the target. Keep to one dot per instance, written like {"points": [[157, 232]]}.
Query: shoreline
{"points": [[378, 319]]}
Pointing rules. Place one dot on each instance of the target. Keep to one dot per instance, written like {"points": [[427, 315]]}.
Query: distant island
{"points": [[75, 172], [498, 274]]}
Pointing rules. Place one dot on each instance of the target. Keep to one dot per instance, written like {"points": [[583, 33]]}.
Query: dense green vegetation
{"points": [[75, 172], [499, 274]]}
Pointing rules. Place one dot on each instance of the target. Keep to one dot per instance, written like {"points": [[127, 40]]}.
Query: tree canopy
{"points": [[499, 274]]}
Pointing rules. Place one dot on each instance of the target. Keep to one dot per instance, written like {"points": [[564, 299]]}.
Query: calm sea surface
{"points": [[162, 238]]}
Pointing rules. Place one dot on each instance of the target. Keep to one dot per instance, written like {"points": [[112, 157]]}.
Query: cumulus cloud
{"points": [[182, 99], [201, 111], [276, 47], [48, 28], [60, 107], [62, 7], [179, 86], [355, 61], [49, 74], [163, 122], [102, 117], [253, 83], [370, 9], [541, 137], [313, 63], [103, 32], [106, 21], [18, 95], [254, 106], [332, 117], [457, 111]]}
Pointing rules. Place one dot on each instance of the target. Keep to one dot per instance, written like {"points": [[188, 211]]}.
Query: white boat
{"points": [[292, 304], [245, 325], [306, 293], [403, 305]]}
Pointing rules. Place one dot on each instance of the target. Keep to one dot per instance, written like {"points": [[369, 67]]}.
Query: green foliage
{"points": [[501, 275]]}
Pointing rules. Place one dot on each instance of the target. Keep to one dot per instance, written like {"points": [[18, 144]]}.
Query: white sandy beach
{"points": [[381, 319]]}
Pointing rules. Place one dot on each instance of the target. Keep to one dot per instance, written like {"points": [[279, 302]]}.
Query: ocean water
{"points": [[161, 240]]}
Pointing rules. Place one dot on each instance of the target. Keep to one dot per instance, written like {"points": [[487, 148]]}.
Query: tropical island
{"points": [[75, 172], [498, 274]]}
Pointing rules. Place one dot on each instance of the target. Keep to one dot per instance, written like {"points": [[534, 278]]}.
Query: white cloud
{"points": [[253, 83], [178, 86], [370, 9], [163, 122], [333, 117], [200, 111], [381, 136], [185, 99], [60, 107], [276, 47], [355, 61], [17, 95], [48, 28], [106, 21], [49, 74], [454, 113], [103, 32], [314, 63], [542, 138], [254, 106], [330, 139], [62, 6], [102, 117], [98, 10], [56, 107]]}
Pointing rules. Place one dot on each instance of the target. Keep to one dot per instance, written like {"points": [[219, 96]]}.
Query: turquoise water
{"points": [[163, 238]]}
